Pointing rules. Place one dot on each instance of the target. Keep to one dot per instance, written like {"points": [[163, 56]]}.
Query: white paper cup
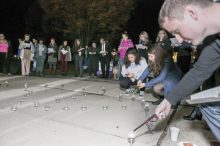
{"points": [[174, 133]]}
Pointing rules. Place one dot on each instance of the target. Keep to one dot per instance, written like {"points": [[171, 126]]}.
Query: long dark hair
{"points": [[134, 52], [75, 43], [160, 55]]}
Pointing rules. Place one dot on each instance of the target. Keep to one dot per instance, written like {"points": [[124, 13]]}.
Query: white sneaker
{"points": [[127, 92], [141, 94]]}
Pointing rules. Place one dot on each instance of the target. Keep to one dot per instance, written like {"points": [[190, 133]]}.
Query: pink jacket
{"points": [[4, 48], [124, 45]]}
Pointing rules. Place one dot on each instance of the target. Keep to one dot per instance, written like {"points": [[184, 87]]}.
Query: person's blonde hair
{"points": [[158, 36], [146, 37], [174, 9]]}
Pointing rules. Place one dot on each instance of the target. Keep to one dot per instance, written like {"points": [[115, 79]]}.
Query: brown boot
{"points": [[54, 72], [50, 71]]}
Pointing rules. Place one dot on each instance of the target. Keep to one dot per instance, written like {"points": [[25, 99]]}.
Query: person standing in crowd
{"points": [[18, 69], [40, 56], [122, 49], [164, 41], [27, 48], [115, 57], [86, 58], [64, 56], [78, 52], [166, 73], [192, 21], [9, 57], [144, 44], [134, 66], [4, 49], [52, 56], [105, 57], [93, 60], [33, 59]]}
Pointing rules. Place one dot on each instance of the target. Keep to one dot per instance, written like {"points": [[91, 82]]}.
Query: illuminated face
{"points": [[20, 40], [151, 57], [65, 43], [131, 58], [124, 37], [162, 34], [102, 41], [1, 37], [41, 42], [78, 42], [94, 45], [190, 29], [34, 40], [27, 37], [52, 41], [142, 37]]}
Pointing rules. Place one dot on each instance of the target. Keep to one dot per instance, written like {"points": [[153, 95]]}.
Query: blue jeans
{"points": [[211, 113], [120, 64], [40, 64]]}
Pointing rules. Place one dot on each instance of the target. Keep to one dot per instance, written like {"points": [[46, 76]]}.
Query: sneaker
{"points": [[141, 94], [127, 92]]}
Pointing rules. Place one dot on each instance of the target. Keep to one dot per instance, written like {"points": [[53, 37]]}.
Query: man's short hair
{"points": [[174, 9]]}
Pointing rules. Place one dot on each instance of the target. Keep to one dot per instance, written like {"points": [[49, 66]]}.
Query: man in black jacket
{"points": [[192, 21], [105, 57]]}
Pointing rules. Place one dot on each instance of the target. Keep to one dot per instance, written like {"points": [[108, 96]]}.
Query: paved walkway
{"points": [[50, 113]]}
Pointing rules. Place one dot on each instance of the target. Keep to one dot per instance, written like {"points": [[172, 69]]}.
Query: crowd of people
{"points": [[146, 65], [98, 59]]}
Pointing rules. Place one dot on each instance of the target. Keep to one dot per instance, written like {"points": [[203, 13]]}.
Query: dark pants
{"points": [[126, 83], [105, 65], [4, 63], [18, 71], [64, 64], [184, 63], [78, 62], [93, 65]]}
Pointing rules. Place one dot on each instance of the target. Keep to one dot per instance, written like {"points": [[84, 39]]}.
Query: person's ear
{"points": [[192, 12]]}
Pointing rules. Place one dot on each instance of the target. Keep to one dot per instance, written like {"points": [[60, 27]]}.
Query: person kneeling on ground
{"points": [[166, 73], [133, 67]]}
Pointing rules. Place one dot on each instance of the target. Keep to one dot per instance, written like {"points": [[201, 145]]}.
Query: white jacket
{"points": [[136, 69]]}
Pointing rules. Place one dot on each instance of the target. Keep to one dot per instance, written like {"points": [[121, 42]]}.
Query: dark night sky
{"points": [[12, 14], [144, 17]]}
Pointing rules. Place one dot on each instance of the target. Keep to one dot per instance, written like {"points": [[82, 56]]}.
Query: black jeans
{"points": [[4, 63], [93, 65], [78, 62], [105, 65], [126, 83]]}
